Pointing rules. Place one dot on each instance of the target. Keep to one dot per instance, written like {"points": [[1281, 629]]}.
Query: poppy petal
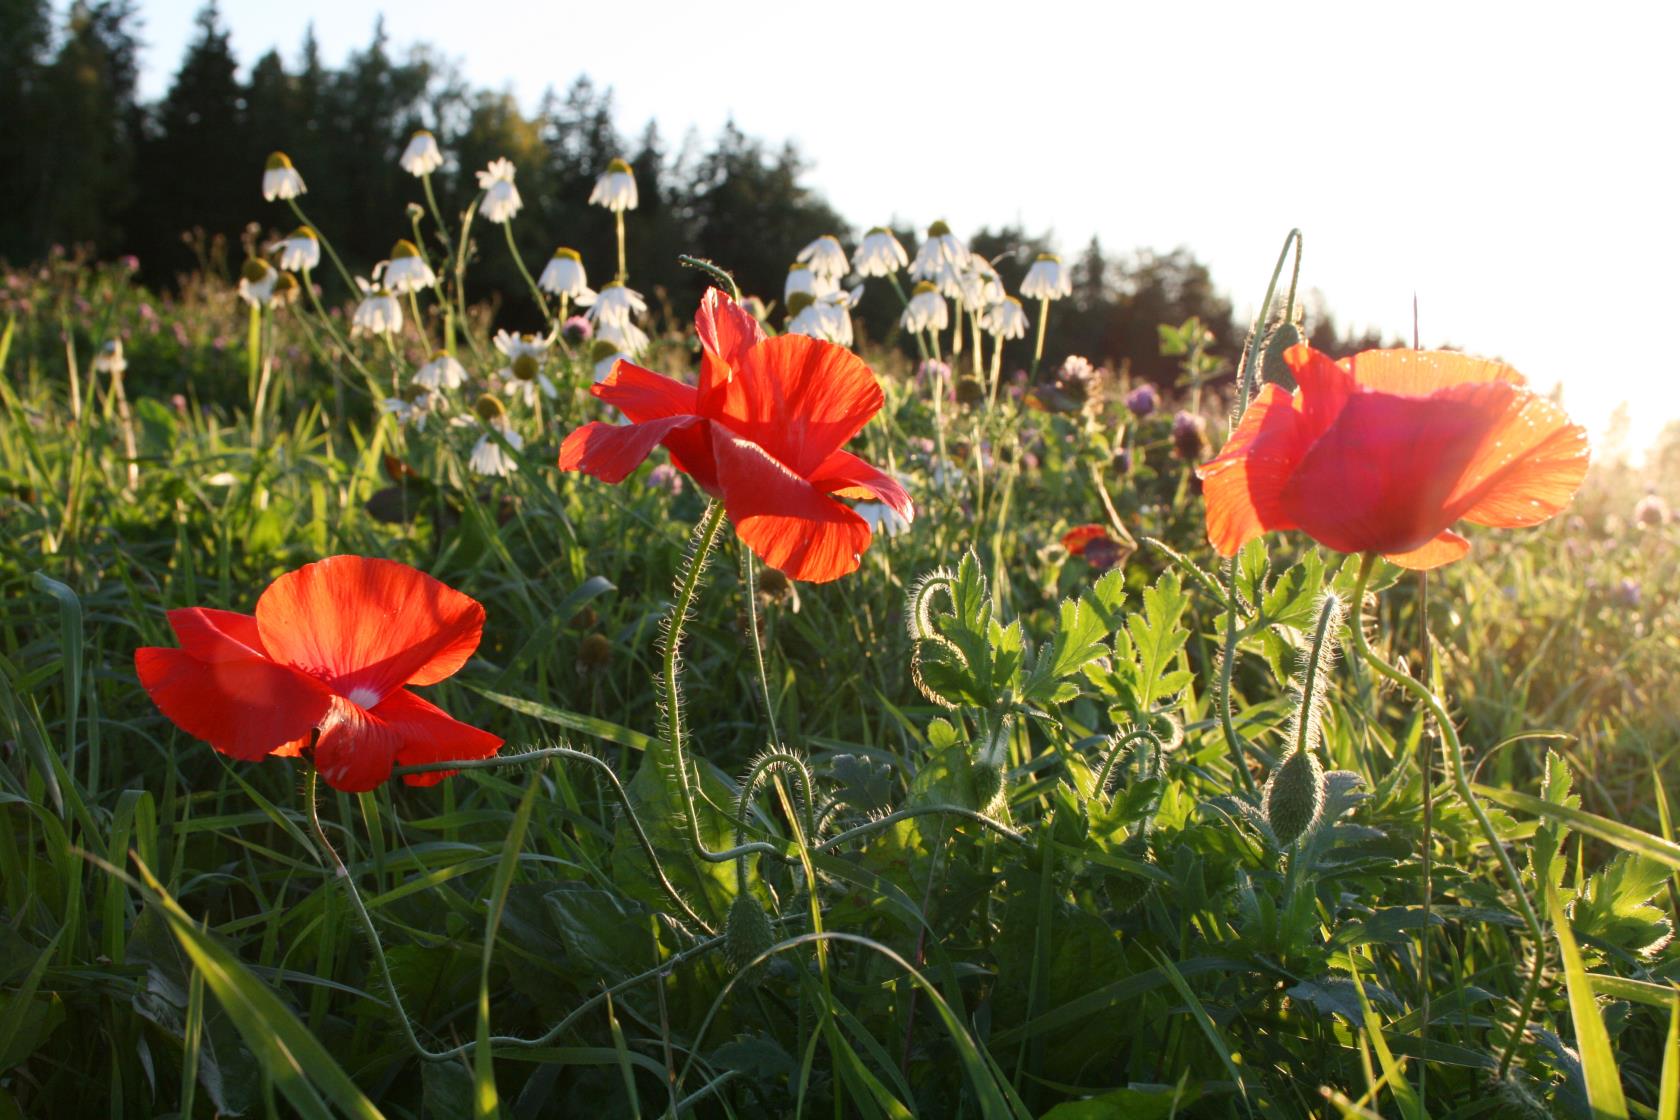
{"points": [[356, 749], [368, 626], [215, 635], [1530, 465], [429, 734], [643, 395], [790, 524], [1242, 487], [1076, 539], [1443, 549], [1380, 478], [1325, 388], [847, 475], [611, 451], [798, 398], [247, 708], [1417, 373], [727, 331]]}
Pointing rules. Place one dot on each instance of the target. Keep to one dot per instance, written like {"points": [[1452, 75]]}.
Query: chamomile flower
{"points": [[110, 358], [605, 354], [564, 276], [523, 376], [378, 313], [941, 257], [882, 518], [1005, 319], [286, 290], [421, 157], [825, 257], [442, 372], [926, 310], [256, 282], [501, 197], [406, 271], [489, 457], [299, 250], [416, 404], [615, 303], [802, 279], [280, 178], [616, 188], [979, 283], [879, 254], [1047, 279], [827, 317]]}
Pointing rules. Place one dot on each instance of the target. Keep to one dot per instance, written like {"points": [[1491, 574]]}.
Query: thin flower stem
{"points": [[536, 292], [437, 215], [1038, 345], [618, 222], [344, 273], [1461, 783], [338, 339]]}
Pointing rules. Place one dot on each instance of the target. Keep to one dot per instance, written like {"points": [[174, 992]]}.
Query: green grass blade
{"points": [[1668, 1092], [1598, 1059], [1625, 837], [485, 1100], [1405, 1097]]}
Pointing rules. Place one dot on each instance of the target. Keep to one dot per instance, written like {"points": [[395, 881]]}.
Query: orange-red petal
{"points": [[611, 451], [798, 398], [790, 524], [1243, 485], [368, 626], [1075, 539], [214, 635], [848, 476], [644, 395], [1530, 463], [247, 707], [1441, 549], [727, 331], [1417, 373], [429, 734]]}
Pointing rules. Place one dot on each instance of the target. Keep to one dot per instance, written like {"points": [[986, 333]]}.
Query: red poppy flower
{"points": [[762, 431], [1382, 452], [1077, 538], [331, 649]]}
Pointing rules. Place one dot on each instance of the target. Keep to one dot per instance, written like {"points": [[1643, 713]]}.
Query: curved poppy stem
{"points": [[687, 585], [1461, 782]]}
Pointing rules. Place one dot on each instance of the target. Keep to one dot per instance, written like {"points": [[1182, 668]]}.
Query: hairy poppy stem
{"points": [[1461, 782]]}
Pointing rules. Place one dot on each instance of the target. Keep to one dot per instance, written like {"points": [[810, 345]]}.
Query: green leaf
{"points": [[1157, 635], [1128, 1104], [1625, 837], [589, 725], [1598, 1059]]}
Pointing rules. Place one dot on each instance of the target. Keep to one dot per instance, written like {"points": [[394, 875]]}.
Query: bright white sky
{"points": [[1515, 165]]}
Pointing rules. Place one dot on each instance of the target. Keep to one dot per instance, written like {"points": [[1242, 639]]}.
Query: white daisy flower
{"points": [[1047, 279], [828, 317], [879, 254], [606, 355], [280, 178], [1005, 319], [406, 271], [442, 372], [300, 250], [523, 376], [413, 407], [882, 518], [941, 257], [110, 358], [802, 279], [256, 282], [825, 257], [615, 303], [501, 197], [926, 310], [979, 283], [489, 457], [616, 188], [563, 276], [625, 336], [378, 313], [421, 157]]}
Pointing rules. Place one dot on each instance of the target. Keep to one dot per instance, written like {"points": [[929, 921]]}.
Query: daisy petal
{"points": [[845, 474], [368, 626], [790, 524], [246, 708]]}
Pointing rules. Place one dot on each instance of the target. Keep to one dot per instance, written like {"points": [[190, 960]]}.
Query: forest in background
{"points": [[174, 184]]}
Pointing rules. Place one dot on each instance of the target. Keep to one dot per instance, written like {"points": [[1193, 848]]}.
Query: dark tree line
{"points": [[84, 161]]}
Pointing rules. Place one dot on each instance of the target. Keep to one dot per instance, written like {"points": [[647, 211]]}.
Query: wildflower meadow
{"points": [[607, 692]]}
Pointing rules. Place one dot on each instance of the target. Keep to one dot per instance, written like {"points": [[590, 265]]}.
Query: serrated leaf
{"points": [[1157, 635]]}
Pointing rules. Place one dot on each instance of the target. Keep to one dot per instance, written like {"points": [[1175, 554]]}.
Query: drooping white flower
{"points": [[941, 258], [501, 197], [882, 518], [287, 290], [523, 376], [827, 317], [564, 276], [421, 157], [606, 354], [256, 281], [413, 407], [979, 283], [615, 303], [825, 257], [926, 310], [616, 188], [1047, 279], [442, 372], [879, 254], [280, 178], [1005, 319], [300, 250], [110, 358], [378, 313], [489, 457], [802, 279], [626, 337], [406, 271]]}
